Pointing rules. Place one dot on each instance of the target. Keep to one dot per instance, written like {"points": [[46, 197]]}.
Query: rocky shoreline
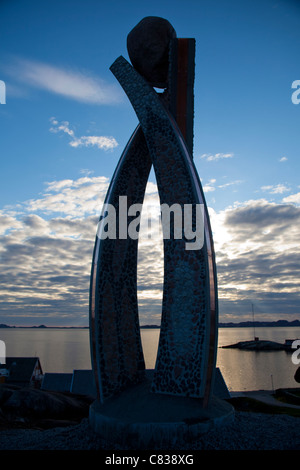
{"points": [[26, 407]]}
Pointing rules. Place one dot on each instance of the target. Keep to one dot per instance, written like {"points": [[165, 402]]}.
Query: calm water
{"points": [[62, 350]]}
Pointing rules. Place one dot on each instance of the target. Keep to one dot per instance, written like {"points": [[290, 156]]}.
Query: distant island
{"points": [[2, 325], [261, 345], [279, 323], [244, 324]]}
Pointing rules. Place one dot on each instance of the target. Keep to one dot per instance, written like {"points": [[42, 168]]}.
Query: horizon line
{"points": [[4, 325]]}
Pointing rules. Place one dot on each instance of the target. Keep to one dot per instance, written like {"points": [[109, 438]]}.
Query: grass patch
{"points": [[255, 406], [288, 395]]}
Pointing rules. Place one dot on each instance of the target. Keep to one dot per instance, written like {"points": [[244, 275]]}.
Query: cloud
{"points": [[217, 156], [209, 187], [71, 84], [72, 198], [293, 198], [275, 189], [258, 258], [46, 255], [102, 142], [261, 213], [86, 171], [232, 183], [8, 223], [283, 159]]}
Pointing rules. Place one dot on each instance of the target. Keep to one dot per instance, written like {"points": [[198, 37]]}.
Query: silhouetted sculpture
{"points": [[186, 356], [297, 375]]}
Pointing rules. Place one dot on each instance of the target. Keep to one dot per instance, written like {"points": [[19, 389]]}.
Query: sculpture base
{"points": [[140, 419]]}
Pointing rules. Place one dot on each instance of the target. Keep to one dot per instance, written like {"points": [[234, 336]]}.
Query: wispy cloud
{"points": [[217, 156], [293, 198], [72, 84], [210, 186], [102, 142], [283, 159], [207, 188], [275, 189], [231, 183]]}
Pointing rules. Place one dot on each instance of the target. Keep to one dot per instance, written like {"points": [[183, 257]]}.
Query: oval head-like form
{"points": [[148, 46]]}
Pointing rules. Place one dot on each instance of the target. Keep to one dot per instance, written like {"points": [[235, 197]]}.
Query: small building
{"points": [[3, 374], [57, 382], [23, 371], [83, 383], [80, 382]]}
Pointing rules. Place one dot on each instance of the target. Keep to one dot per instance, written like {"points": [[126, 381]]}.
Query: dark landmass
{"points": [[150, 326], [2, 325], [279, 323], [259, 345]]}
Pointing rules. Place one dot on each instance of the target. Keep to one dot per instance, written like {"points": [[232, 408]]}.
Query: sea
{"points": [[66, 349]]}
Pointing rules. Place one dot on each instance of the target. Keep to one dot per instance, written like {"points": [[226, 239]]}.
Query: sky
{"points": [[65, 122]]}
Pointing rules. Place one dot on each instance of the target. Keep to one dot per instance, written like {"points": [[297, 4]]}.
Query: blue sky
{"points": [[66, 121]]}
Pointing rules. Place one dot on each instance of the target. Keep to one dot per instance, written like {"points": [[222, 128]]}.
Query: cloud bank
{"points": [[47, 244]]}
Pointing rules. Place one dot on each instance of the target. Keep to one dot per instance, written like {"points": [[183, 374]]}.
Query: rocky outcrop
{"points": [[38, 408], [259, 345]]}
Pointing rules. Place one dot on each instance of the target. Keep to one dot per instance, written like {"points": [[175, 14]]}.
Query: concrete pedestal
{"points": [[140, 419]]}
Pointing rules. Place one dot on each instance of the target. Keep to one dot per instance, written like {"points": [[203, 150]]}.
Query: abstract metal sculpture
{"points": [[186, 356]]}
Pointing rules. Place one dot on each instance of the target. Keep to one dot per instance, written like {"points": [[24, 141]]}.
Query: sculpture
{"points": [[164, 138]]}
